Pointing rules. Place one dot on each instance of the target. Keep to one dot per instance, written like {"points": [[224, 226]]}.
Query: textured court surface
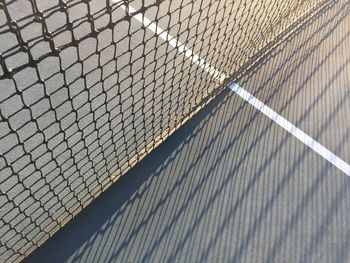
{"points": [[88, 88], [231, 185]]}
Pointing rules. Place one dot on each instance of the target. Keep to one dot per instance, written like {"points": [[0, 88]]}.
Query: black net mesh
{"points": [[89, 87]]}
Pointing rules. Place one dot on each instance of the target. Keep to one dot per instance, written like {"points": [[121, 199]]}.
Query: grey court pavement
{"points": [[231, 185], [97, 104]]}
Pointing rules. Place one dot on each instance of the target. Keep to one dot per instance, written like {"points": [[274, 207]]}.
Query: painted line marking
{"points": [[292, 129], [259, 105], [172, 41]]}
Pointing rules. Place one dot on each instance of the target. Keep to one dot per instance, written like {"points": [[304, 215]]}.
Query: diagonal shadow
{"points": [[144, 200]]}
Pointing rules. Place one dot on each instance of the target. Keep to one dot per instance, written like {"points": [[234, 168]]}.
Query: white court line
{"points": [[172, 41], [260, 106], [292, 129]]}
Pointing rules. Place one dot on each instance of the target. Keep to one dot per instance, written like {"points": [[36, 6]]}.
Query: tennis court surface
{"points": [[174, 131]]}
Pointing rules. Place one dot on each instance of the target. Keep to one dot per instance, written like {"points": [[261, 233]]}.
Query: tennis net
{"points": [[90, 87]]}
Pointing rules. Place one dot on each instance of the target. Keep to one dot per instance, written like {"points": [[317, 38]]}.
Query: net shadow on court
{"points": [[230, 186], [88, 90]]}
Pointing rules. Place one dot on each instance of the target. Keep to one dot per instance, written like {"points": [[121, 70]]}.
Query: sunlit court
{"points": [[174, 131]]}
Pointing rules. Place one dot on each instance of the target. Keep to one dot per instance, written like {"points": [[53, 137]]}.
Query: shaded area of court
{"points": [[88, 89], [232, 186]]}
